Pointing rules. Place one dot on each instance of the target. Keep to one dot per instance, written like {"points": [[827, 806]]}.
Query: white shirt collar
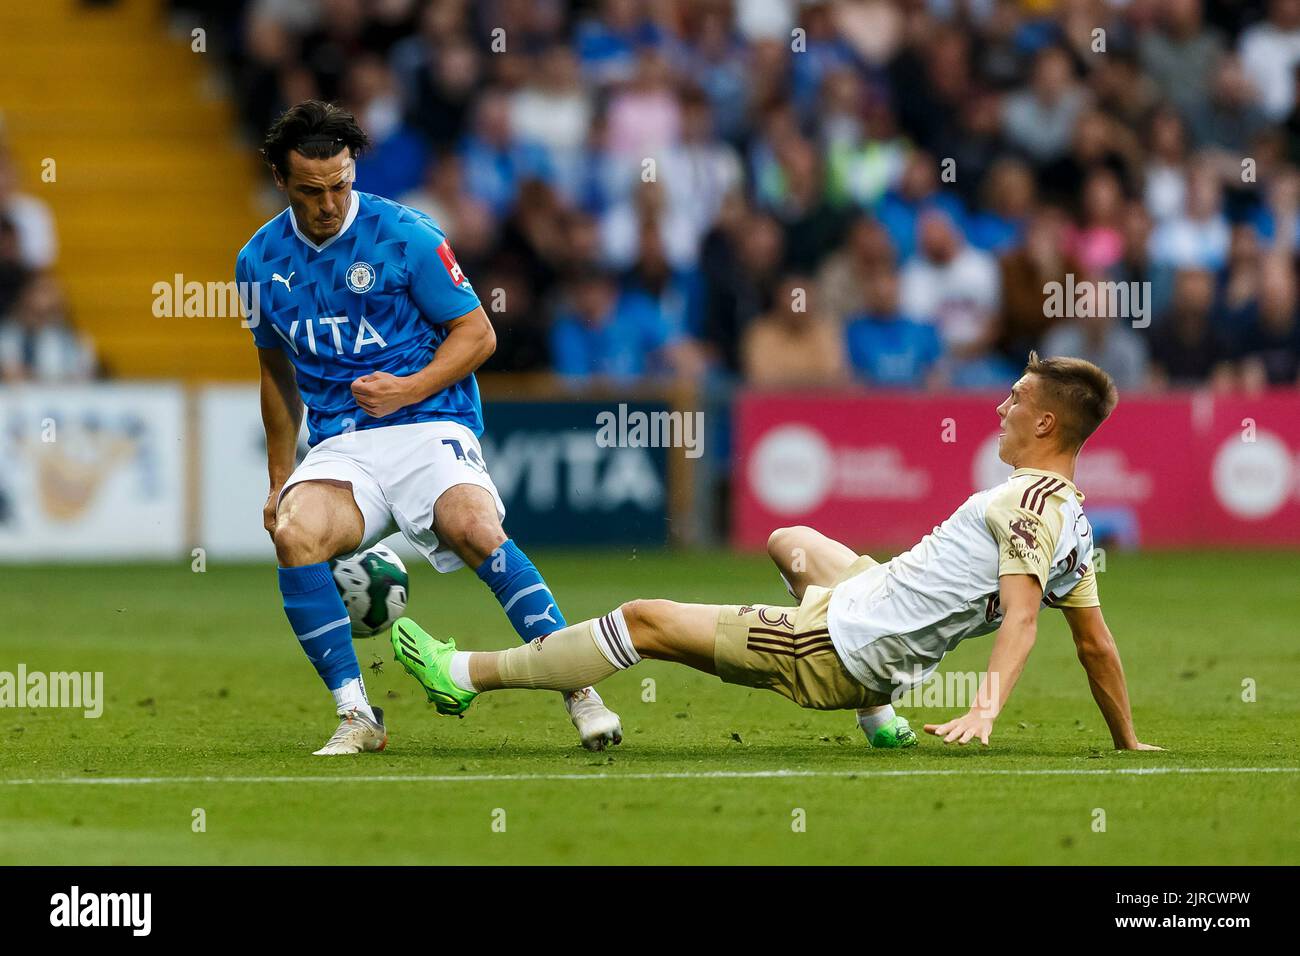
{"points": [[347, 221]]}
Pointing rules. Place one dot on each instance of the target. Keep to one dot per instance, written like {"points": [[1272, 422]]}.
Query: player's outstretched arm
{"points": [[1020, 595], [1100, 659], [282, 418]]}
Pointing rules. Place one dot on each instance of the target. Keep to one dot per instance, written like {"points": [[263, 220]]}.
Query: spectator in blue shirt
{"points": [[825, 51], [398, 155], [1009, 192], [495, 162], [674, 295], [601, 333], [608, 43], [887, 349], [917, 191]]}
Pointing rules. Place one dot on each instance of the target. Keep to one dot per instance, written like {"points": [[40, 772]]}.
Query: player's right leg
{"points": [[468, 521], [317, 520], [804, 556]]}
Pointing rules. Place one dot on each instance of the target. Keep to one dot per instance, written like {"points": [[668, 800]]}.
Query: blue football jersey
{"points": [[372, 298]]}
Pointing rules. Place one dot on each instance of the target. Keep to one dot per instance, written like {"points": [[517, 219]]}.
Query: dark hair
{"points": [[316, 129], [1079, 391]]}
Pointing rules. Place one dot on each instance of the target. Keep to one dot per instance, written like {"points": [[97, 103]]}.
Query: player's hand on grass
{"points": [[963, 729], [381, 394]]}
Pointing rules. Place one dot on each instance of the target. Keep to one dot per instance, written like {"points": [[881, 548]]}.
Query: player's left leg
{"points": [[318, 518], [786, 650], [573, 656], [467, 521]]}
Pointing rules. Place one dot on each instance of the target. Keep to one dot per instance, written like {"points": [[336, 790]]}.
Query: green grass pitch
{"points": [[202, 679]]}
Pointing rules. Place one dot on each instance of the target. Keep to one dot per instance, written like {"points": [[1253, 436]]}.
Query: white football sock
{"points": [[572, 657], [614, 640], [874, 718], [459, 671], [352, 696]]}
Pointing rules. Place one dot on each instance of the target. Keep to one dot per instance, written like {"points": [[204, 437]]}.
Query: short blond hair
{"points": [[1081, 393]]}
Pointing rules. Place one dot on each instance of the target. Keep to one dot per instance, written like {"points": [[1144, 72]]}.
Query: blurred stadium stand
{"points": [[151, 178], [820, 167], [804, 152]]}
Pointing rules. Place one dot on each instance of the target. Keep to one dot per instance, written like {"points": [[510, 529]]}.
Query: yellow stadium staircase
{"points": [[150, 180]]}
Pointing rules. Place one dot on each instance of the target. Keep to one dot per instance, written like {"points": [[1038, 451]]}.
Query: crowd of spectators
{"points": [[37, 340], [814, 193]]}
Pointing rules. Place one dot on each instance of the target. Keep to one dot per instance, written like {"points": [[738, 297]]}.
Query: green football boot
{"points": [[428, 660], [894, 735]]}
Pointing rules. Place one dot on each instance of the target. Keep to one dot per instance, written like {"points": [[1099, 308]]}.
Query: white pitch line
{"points": [[682, 775]]}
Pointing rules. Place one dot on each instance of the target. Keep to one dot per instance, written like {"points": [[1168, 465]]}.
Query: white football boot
{"points": [[598, 726], [357, 733]]}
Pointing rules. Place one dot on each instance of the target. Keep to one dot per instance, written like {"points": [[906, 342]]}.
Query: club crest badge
{"points": [[360, 276]]}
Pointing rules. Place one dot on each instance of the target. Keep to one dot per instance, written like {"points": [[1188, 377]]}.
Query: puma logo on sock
{"points": [[531, 619]]}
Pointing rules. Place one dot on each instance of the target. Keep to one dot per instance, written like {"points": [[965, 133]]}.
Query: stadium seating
{"points": [[121, 107]]}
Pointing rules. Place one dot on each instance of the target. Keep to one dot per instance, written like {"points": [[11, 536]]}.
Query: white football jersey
{"points": [[893, 622]]}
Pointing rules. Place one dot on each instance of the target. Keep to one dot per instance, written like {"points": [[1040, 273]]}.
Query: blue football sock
{"points": [[524, 596], [319, 618]]}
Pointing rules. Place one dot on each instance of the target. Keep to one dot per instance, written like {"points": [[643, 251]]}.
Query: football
{"points": [[373, 585]]}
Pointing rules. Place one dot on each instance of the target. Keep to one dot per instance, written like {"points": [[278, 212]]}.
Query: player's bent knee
{"points": [[645, 619], [295, 546], [483, 532], [782, 541], [635, 616], [472, 534]]}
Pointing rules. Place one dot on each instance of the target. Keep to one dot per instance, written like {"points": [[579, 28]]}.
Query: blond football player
{"points": [[863, 632]]}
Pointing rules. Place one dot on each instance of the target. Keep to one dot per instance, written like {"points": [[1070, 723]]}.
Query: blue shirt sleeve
{"points": [[264, 336], [439, 286]]}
